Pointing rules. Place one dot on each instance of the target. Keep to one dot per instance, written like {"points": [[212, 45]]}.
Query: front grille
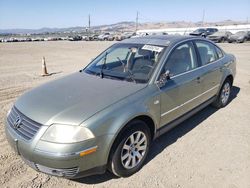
{"points": [[63, 172], [27, 128]]}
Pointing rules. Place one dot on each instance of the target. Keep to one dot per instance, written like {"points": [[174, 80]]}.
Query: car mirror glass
{"points": [[163, 79]]}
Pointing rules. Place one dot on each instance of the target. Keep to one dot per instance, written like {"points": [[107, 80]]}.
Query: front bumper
{"points": [[61, 159], [235, 40]]}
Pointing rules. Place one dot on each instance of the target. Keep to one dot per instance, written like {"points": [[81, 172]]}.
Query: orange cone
{"points": [[44, 68]]}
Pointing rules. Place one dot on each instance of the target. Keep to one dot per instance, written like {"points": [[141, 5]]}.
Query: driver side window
{"points": [[182, 59]]}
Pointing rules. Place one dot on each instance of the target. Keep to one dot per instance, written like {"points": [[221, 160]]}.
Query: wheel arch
{"points": [[143, 117], [230, 78]]}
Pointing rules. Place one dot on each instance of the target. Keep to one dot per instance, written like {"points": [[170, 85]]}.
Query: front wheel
{"points": [[224, 95], [130, 150]]}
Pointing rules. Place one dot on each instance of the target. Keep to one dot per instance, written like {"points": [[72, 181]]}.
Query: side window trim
{"points": [[197, 56], [197, 53]]}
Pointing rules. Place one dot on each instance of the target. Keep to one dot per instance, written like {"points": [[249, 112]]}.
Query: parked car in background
{"points": [[210, 31], [84, 37], [125, 35], [239, 37], [106, 115], [220, 36], [93, 37], [204, 32], [75, 38], [111, 37], [104, 36], [198, 32]]}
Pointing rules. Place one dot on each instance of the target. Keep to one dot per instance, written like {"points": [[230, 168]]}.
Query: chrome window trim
{"points": [[194, 69], [190, 100], [197, 68]]}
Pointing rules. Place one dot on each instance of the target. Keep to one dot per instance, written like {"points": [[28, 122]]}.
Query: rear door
{"points": [[211, 60], [179, 95]]}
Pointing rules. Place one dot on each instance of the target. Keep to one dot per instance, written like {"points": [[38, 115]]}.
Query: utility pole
{"points": [[137, 18], [89, 25], [203, 17]]}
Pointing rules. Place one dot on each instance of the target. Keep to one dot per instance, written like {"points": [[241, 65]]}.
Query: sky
{"points": [[34, 14]]}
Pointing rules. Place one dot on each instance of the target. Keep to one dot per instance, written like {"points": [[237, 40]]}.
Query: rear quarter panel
{"points": [[229, 67]]}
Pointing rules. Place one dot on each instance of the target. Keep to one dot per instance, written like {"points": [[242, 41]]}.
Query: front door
{"points": [[179, 95]]}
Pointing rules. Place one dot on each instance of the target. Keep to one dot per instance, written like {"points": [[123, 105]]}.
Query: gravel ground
{"points": [[211, 149]]}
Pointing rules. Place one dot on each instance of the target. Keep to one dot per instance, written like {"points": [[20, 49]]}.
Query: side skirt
{"points": [[182, 118]]}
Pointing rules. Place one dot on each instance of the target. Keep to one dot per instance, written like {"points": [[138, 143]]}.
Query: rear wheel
{"points": [[130, 150], [224, 95]]}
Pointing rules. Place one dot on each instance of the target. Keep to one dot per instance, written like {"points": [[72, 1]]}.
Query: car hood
{"points": [[74, 98]]}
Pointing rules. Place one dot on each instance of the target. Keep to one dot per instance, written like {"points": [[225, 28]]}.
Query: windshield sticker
{"points": [[152, 48]]}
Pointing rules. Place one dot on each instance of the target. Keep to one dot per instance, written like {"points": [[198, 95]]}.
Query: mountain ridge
{"points": [[121, 26]]}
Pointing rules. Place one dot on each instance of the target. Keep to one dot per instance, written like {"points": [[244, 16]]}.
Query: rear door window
{"points": [[206, 51]]}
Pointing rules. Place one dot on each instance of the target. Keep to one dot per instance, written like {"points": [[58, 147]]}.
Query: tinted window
{"points": [[206, 51], [182, 59]]}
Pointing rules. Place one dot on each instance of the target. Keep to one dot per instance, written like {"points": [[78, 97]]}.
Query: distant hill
{"points": [[121, 26]]}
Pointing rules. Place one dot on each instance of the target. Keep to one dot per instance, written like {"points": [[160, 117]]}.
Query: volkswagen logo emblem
{"points": [[17, 122]]}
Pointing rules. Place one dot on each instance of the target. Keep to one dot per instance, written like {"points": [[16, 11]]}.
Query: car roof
{"points": [[162, 40]]}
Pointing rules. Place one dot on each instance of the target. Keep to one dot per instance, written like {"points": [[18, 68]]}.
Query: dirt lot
{"points": [[211, 149]]}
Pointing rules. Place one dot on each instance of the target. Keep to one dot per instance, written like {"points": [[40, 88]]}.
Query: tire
{"points": [[127, 157], [224, 95]]}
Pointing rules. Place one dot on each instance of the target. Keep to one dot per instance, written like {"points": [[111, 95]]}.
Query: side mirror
{"points": [[163, 79]]}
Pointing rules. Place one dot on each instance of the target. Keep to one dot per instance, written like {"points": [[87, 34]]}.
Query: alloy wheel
{"points": [[225, 93], [134, 150]]}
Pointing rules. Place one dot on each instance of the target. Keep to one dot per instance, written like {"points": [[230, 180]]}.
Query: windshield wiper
{"points": [[104, 64], [131, 75]]}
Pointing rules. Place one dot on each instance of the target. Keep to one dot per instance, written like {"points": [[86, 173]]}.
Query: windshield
{"points": [[129, 62], [199, 30]]}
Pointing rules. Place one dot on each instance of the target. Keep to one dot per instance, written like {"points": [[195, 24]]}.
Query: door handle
{"points": [[198, 79]]}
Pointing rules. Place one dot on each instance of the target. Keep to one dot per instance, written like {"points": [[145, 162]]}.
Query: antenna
{"points": [[137, 18]]}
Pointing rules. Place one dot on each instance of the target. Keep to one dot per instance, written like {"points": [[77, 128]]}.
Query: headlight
{"points": [[67, 134]]}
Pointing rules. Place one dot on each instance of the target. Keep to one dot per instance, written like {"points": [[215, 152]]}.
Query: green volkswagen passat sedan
{"points": [[105, 116]]}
